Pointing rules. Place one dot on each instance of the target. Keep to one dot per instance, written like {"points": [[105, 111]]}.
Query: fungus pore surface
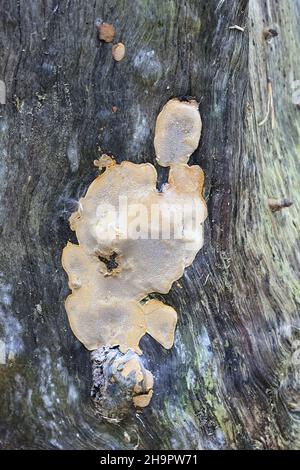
{"points": [[134, 240]]}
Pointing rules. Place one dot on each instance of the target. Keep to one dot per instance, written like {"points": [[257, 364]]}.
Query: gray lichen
{"points": [[115, 386]]}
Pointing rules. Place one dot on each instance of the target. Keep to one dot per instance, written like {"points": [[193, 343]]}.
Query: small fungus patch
{"points": [[278, 204], [118, 51], [270, 33], [177, 132], [106, 32]]}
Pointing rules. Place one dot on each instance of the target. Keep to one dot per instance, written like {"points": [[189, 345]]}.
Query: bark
{"points": [[232, 377]]}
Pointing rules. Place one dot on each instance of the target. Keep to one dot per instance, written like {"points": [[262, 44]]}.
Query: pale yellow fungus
{"points": [[134, 240], [104, 161], [140, 401], [160, 322], [177, 132], [118, 51]]}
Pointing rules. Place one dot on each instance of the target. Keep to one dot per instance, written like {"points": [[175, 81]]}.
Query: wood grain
{"points": [[232, 378]]}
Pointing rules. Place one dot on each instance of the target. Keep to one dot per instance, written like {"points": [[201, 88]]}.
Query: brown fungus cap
{"points": [[106, 32]]}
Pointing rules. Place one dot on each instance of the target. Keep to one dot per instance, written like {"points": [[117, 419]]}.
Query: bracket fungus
{"points": [[134, 240]]}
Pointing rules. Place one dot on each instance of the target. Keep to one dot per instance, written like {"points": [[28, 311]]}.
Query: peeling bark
{"points": [[232, 378]]}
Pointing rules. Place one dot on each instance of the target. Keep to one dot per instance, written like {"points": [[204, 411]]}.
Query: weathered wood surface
{"points": [[232, 378]]}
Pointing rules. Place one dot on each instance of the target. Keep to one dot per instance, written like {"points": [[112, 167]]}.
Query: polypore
{"points": [[134, 240]]}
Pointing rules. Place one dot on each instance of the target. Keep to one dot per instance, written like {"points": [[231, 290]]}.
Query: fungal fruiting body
{"points": [[177, 132], [106, 32], [118, 51], [134, 240]]}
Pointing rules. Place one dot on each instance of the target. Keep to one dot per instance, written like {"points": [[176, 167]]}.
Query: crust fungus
{"points": [[177, 132], [118, 51], [106, 32], [132, 241]]}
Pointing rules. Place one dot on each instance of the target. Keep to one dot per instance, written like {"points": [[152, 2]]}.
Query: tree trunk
{"points": [[232, 377]]}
